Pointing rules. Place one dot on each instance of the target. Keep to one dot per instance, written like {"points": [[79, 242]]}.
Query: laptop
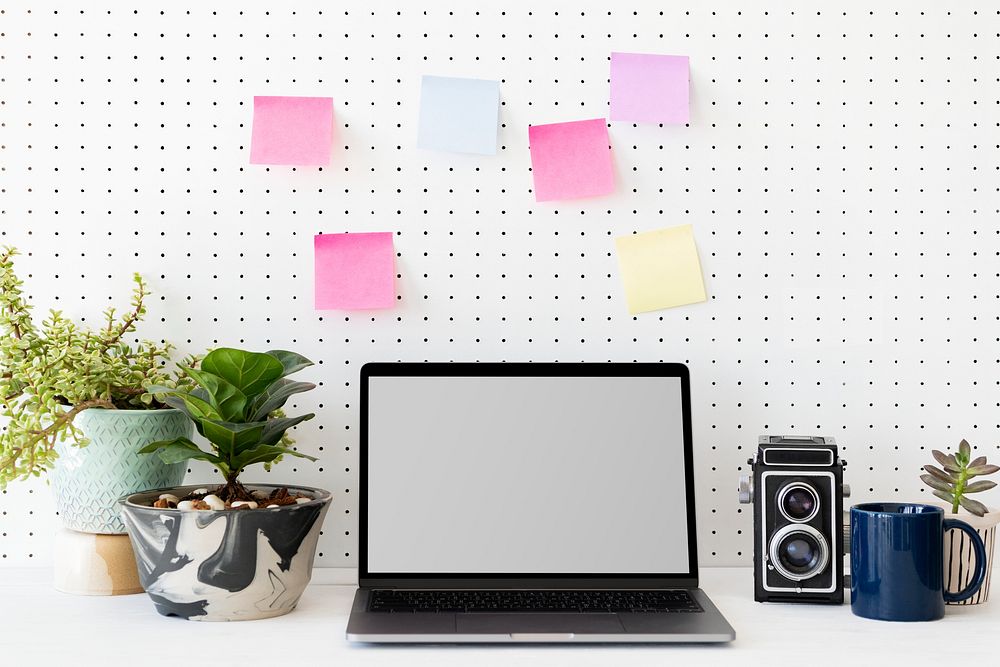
{"points": [[528, 502]]}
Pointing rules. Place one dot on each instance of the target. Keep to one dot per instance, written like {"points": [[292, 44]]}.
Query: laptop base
{"points": [[709, 626]]}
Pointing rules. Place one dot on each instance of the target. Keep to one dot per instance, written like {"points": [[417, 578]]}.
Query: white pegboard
{"points": [[840, 171]]}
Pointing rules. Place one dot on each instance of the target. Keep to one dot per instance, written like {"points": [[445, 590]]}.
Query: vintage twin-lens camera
{"points": [[797, 490]]}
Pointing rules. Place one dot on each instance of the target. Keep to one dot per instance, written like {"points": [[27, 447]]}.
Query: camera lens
{"points": [[798, 502], [799, 552]]}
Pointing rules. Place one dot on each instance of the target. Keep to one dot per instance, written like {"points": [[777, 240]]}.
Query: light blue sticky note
{"points": [[459, 115]]}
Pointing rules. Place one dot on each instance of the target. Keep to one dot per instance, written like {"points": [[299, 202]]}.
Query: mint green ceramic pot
{"points": [[88, 481]]}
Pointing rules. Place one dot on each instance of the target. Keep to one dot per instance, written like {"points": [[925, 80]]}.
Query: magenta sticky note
{"points": [[649, 88], [571, 160], [295, 131], [355, 271]]}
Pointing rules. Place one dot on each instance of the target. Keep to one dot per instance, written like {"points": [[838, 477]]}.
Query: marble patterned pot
{"points": [[88, 481], [225, 565]]}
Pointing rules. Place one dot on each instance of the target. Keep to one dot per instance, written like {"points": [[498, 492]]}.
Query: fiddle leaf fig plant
{"points": [[236, 406], [53, 370], [952, 482]]}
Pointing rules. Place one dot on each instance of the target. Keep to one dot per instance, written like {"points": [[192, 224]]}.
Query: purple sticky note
{"points": [[571, 160], [355, 271], [292, 130], [649, 88]]}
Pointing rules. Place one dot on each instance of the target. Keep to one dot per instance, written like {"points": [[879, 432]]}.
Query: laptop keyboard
{"points": [[402, 601]]}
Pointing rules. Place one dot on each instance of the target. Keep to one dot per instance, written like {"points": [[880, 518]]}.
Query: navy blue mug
{"points": [[897, 561]]}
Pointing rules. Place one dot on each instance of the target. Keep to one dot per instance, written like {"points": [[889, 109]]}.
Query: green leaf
{"points": [[292, 362], [981, 485], [230, 438], [276, 428], [941, 474], [259, 454], [275, 396], [947, 497], [200, 393], [174, 400], [179, 449], [964, 449], [250, 372], [936, 483], [265, 454], [987, 469], [194, 406], [973, 506], [170, 400], [228, 400], [199, 408]]}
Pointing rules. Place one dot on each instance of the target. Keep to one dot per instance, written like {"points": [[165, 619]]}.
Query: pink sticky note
{"points": [[571, 160], [355, 271], [292, 130], [649, 88]]}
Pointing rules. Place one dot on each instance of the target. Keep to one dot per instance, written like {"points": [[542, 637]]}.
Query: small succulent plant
{"points": [[953, 480], [51, 370]]}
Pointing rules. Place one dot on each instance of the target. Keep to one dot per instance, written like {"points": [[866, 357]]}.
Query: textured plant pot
{"points": [[959, 558], [225, 565], [88, 481]]}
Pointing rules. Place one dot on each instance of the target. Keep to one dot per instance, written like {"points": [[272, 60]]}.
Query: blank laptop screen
{"points": [[563, 475]]}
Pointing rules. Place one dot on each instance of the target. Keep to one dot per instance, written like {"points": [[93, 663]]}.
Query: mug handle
{"points": [[980, 573]]}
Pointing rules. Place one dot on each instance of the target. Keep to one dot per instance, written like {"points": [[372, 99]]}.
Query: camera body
{"points": [[797, 490]]}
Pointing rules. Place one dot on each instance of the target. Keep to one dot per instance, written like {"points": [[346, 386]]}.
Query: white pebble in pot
{"points": [[185, 505], [240, 503], [270, 506], [302, 501], [197, 491], [169, 497], [214, 502]]}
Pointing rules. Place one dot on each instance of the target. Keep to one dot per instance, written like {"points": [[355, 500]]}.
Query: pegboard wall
{"points": [[840, 170]]}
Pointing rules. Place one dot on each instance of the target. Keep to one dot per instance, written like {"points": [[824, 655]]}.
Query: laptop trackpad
{"points": [[481, 623]]}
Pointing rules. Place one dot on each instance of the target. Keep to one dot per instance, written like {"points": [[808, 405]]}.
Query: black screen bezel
{"points": [[368, 579]]}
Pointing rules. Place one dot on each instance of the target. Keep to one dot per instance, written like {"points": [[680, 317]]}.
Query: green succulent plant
{"points": [[236, 406], [953, 481], [52, 371]]}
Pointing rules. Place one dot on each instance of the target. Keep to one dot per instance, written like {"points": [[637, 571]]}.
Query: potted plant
{"points": [[76, 403], [952, 483], [231, 551]]}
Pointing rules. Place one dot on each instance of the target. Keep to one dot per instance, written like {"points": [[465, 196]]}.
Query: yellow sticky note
{"points": [[660, 269]]}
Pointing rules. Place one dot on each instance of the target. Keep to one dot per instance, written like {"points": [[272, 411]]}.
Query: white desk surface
{"points": [[40, 626]]}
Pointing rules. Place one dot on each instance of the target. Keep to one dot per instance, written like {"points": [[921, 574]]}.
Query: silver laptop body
{"points": [[484, 485]]}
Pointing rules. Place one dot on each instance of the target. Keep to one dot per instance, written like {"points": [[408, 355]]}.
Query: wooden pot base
{"points": [[88, 564]]}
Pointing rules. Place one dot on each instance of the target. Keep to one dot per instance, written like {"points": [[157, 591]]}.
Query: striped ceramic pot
{"points": [[959, 558], [88, 481]]}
